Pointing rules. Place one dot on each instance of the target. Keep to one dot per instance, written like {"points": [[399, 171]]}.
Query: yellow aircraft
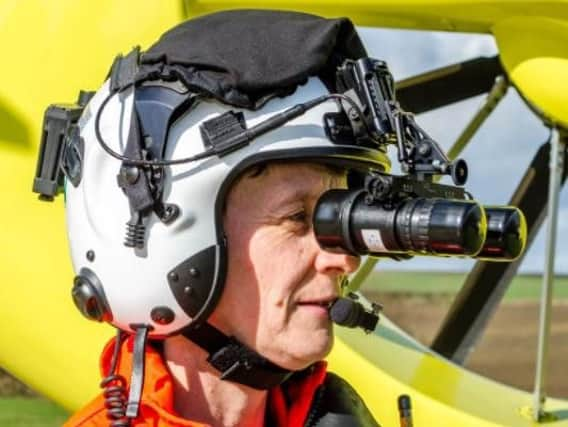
{"points": [[53, 49]]}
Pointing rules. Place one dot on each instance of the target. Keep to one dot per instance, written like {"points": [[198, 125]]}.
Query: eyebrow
{"points": [[305, 193], [295, 195]]}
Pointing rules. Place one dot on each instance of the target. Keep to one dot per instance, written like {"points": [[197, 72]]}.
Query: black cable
{"points": [[114, 361], [115, 389], [247, 135]]}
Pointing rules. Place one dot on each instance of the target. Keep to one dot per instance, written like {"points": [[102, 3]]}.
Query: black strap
{"points": [[134, 182], [137, 190], [235, 361], [137, 378], [132, 179]]}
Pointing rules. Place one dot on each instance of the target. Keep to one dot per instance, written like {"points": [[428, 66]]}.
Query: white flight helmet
{"points": [[177, 278]]}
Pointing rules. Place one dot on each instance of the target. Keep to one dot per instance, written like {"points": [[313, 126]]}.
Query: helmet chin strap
{"points": [[236, 362], [243, 365]]}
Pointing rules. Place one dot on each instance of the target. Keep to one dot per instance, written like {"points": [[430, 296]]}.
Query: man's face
{"points": [[279, 281]]}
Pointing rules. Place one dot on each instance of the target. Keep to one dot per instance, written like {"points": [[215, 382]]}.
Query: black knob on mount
{"points": [[459, 171]]}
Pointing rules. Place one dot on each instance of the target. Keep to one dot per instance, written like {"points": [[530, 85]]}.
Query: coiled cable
{"points": [[114, 389]]}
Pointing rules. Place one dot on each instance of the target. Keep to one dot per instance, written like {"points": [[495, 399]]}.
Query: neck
{"points": [[200, 395]]}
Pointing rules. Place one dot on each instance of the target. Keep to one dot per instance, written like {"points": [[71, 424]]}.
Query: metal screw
{"points": [[188, 290], [171, 212], [90, 255], [194, 272], [424, 149], [173, 276], [130, 174]]}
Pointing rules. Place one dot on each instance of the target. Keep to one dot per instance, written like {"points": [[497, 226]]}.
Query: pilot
{"points": [[194, 238]]}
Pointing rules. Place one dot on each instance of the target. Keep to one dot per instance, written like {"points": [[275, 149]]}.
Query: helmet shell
{"points": [[177, 278]]}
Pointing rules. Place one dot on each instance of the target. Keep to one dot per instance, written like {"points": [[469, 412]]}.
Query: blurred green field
{"points": [[523, 287], [30, 412]]}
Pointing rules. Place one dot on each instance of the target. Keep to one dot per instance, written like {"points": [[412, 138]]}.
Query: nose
{"points": [[330, 261]]}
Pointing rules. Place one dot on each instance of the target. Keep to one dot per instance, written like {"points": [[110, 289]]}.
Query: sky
{"points": [[499, 153]]}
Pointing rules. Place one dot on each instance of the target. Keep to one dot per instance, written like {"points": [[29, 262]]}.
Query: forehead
{"points": [[283, 181]]}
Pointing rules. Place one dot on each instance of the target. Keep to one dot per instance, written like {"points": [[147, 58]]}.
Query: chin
{"points": [[304, 351]]}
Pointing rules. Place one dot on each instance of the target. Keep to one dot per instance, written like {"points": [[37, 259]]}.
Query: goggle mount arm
{"points": [[369, 83]]}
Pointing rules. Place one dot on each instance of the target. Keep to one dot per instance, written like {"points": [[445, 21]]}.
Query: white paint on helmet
{"points": [[135, 282]]}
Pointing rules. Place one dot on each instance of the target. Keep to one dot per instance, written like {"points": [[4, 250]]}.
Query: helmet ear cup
{"points": [[89, 297], [197, 282]]}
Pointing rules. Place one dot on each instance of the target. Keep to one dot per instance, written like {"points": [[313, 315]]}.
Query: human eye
{"points": [[298, 221], [299, 216]]}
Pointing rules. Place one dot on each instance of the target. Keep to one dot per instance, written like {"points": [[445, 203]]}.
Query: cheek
{"points": [[280, 260], [239, 304], [241, 277]]}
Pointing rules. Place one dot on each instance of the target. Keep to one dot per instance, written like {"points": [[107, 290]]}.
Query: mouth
{"points": [[323, 303]]}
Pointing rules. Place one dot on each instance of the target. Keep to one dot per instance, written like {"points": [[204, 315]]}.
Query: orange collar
{"points": [[289, 404]]}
